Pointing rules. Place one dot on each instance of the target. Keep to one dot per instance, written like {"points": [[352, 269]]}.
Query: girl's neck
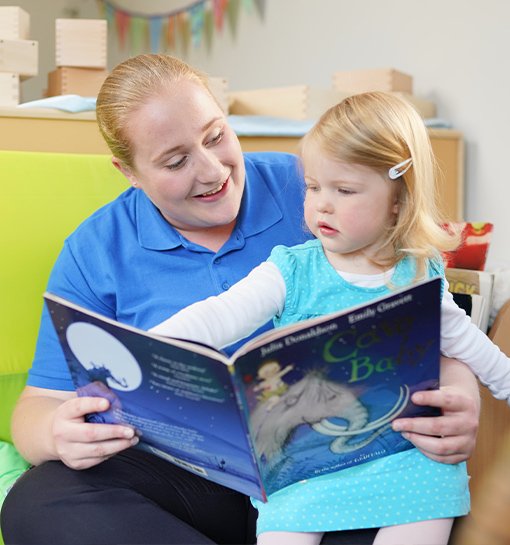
{"points": [[358, 263]]}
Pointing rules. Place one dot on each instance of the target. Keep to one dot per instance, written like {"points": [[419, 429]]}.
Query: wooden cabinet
{"points": [[49, 130], [448, 146], [53, 131]]}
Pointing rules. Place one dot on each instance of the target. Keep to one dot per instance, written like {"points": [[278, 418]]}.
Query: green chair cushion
{"points": [[43, 198], [12, 466], [10, 388]]}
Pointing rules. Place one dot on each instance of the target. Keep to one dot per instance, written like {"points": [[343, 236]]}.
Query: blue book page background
{"points": [[182, 404], [321, 400]]}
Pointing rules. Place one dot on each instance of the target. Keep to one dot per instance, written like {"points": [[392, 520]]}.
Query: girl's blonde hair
{"points": [[128, 87], [379, 130]]}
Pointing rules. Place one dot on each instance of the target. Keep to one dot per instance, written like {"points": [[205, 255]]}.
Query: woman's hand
{"points": [[50, 425], [449, 438], [80, 444]]}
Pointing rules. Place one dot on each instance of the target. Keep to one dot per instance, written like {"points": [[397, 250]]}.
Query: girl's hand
{"points": [[80, 444]]}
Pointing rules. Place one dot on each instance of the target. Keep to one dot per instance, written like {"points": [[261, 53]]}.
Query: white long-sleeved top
{"points": [[227, 318]]}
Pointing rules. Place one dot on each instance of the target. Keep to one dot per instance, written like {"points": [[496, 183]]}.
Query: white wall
{"points": [[457, 52]]}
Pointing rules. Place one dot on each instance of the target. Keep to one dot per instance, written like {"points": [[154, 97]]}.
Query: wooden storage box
{"points": [[9, 89], [67, 80], [14, 23], [298, 102], [80, 42], [382, 79], [19, 56], [426, 108]]}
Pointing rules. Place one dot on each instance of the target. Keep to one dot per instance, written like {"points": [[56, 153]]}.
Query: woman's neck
{"points": [[212, 238]]}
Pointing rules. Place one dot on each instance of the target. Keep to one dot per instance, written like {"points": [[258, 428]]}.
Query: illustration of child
{"points": [[370, 204], [271, 384]]}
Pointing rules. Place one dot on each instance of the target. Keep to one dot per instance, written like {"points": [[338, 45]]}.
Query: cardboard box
{"points": [[80, 43], [426, 108], [298, 102], [9, 89], [14, 23], [67, 80], [383, 79], [19, 56], [219, 88]]}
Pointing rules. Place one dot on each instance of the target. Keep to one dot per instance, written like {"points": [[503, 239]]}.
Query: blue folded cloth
{"points": [[68, 103], [262, 125]]}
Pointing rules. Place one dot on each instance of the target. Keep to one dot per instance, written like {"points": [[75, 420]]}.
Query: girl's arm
{"points": [[462, 340], [229, 317]]}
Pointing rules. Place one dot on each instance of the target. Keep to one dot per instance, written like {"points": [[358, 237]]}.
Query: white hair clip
{"points": [[400, 169]]}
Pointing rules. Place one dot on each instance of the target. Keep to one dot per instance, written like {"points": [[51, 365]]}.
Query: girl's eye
{"points": [[344, 191], [215, 139], [312, 188], [177, 164]]}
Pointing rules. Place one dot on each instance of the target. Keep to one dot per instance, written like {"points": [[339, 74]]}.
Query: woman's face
{"points": [[187, 159]]}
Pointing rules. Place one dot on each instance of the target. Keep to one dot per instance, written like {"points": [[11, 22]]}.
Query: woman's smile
{"points": [[217, 192]]}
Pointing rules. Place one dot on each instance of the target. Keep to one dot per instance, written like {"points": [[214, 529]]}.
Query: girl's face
{"points": [[349, 208], [187, 160]]}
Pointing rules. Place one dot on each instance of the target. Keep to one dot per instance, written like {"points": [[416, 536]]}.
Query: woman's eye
{"points": [[177, 164], [215, 139]]}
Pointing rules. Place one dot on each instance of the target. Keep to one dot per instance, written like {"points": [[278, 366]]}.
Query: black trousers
{"points": [[133, 498]]}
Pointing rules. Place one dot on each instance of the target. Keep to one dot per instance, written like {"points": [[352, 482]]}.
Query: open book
{"points": [[296, 402]]}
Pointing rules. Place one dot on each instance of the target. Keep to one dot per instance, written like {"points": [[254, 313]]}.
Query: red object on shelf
{"points": [[472, 252]]}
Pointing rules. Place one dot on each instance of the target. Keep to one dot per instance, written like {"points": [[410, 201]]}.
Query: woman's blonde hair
{"points": [[128, 87], [379, 130]]}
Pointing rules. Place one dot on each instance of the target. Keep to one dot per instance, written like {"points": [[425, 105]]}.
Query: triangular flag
{"points": [[196, 15], [184, 31], [261, 7], [233, 15], [109, 14], [155, 26], [122, 24], [138, 33], [101, 6], [219, 7], [208, 29], [170, 32]]}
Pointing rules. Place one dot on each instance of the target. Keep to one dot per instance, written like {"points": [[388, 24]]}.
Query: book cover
{"points": [[472, 290], [296, 402]]}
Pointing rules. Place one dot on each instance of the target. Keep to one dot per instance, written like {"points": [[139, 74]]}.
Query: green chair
{"points": [[44, 196]]}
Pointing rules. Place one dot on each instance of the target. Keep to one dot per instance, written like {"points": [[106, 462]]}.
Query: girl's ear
{"points": [[126, 171]]}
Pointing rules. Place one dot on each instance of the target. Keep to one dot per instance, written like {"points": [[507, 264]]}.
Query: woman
{"points": [[199, 217]]}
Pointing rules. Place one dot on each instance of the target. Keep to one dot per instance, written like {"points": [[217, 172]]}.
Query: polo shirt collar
{"points": [[154, 232], [259, 211]]}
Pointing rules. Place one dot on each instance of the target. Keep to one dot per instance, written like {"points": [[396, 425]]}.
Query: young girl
{"points": [[370, 203]]}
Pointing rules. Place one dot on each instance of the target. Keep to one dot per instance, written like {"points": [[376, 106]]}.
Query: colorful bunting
{"points": [[155, 31], [194, 23]]}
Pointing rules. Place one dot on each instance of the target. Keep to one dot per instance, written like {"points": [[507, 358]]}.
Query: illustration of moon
{"points": [[94, 346]]}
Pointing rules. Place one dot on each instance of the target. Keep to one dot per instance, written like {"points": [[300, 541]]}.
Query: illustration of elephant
{"points": [[314, 400]]}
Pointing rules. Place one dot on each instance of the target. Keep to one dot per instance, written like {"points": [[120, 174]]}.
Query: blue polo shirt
{"points": [[128, 263]]}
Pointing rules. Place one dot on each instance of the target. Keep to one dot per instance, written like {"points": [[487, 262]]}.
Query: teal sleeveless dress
{"points": [[397, 489]]}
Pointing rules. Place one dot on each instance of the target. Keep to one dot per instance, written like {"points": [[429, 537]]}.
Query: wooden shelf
{"points": [[48, 130]]}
